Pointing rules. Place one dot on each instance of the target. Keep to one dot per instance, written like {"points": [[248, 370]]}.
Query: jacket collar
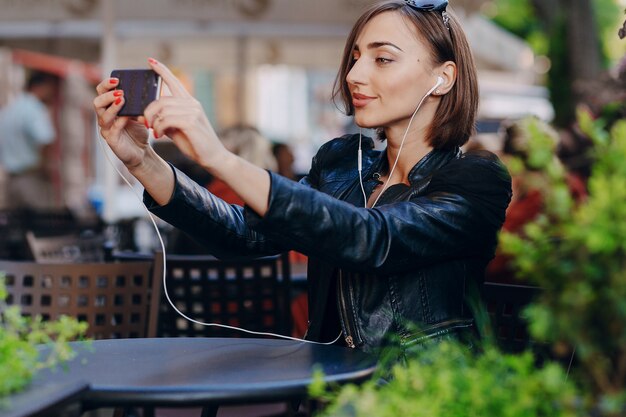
{"points": [[432, 161]]}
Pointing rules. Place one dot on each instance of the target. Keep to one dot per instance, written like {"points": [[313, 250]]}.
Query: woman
{"points": [[395, 238]]}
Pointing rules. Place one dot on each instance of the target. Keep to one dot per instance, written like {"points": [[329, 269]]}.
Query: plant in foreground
{"points": [[20, 358], [446, 379], [578, 256]]}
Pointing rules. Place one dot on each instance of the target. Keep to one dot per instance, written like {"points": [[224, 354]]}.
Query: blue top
{"points": [[25, 126]]}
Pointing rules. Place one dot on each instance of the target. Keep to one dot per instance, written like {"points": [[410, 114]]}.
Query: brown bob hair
{"points": [[455, 118]]}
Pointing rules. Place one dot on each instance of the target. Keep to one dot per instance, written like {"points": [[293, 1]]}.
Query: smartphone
{"points": [[141, 87]]}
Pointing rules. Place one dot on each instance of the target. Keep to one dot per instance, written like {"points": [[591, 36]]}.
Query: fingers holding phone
{"points": [[140, 88], [125, 135], [129, 105], [175, 86], [108, 102], [182, 118]]}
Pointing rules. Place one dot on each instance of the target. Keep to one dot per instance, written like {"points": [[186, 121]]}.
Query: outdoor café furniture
{"points": [[112, 298], [14, 224], [251, 293], [246, 293], [505, 304], [66, 248], [200, 372], [51, 400]]}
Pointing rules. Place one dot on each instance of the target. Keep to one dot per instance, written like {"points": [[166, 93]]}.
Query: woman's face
{"points": [[392, 71]]}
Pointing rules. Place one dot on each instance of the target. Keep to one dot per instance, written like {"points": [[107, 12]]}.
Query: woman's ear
{"points": [[447, 71]]}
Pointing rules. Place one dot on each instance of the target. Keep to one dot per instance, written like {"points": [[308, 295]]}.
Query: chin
{"points": [[365, 123]]}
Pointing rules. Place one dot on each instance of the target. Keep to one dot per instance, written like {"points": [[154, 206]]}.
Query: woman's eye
{"points": [[382, 60]]}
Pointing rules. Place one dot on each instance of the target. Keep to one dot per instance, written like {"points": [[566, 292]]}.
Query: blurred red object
{"points": [[56, 65]]}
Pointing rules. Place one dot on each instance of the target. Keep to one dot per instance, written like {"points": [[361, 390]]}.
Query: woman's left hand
{"points": [[182, 118]]}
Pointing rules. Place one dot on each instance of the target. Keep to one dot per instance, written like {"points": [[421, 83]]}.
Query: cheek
{"points": [[402, 96]]}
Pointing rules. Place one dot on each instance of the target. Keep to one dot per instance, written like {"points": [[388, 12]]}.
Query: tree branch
{"points": [[547, 12]]}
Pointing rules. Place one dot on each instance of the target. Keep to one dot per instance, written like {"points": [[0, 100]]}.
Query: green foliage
{"points": [[447, 380], [548, 33], [579, 256], [608, 14], [518, 17], [540, 167], [19, 337]]}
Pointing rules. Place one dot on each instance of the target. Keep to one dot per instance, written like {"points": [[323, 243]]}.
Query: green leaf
{"points": [[19, 336]]}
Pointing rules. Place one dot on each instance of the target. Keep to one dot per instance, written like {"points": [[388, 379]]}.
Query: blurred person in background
{"points": [[299, 303], [284, 160], [248, 143], [397, 238], [242, 140], [26, 133]]}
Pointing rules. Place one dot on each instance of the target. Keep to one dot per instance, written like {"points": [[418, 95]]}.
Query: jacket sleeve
{"points": [[217, 225], [458, 215]]}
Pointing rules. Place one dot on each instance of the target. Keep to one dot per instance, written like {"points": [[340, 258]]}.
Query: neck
{"points": [[408, 138], [411, 152]]}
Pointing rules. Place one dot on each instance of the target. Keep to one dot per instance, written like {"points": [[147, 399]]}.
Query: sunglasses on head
{"points": [[431, 6], [428, 5]]}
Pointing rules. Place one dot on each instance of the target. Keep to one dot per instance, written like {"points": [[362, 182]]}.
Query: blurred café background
{"points": [[263, 63]]}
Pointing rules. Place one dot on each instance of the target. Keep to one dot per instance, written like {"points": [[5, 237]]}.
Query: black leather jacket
{"points": [[411, 259]]}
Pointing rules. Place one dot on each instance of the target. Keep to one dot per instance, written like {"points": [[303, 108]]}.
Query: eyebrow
{"points": [[374, 45]]}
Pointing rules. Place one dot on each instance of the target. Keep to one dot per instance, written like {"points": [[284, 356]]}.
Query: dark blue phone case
{"points": [[140, 86]]}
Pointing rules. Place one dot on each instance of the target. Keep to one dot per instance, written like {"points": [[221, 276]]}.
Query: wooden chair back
{"points": [[113, 298]]}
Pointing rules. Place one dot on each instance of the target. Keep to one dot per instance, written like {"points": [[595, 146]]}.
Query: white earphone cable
{"points": [[167, 296], [402, 143], [360, 169]]}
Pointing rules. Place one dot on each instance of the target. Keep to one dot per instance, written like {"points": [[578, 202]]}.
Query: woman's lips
{"points": [[360, 100]]}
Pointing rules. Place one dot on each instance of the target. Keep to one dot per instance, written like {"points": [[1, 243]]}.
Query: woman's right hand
{"points": [[127, 138]]}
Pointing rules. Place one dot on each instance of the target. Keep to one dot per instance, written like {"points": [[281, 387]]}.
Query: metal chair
{"points": [[12, 244], [49, 221], [15, 223], [112, 298], [247, 293], [504, 303], [250, 293], [66, 248]]}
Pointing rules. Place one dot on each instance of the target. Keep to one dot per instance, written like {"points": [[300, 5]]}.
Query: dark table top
{"points": [[203, 371], [45, 400]]}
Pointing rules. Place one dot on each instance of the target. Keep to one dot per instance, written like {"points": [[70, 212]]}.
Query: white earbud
{"points": [[436, 87]]}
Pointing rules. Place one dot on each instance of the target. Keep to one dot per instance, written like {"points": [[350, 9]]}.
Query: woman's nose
{"points": [[356, 75]]}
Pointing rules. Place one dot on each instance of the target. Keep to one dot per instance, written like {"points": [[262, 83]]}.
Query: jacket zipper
{"points": [[349, 336]]}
